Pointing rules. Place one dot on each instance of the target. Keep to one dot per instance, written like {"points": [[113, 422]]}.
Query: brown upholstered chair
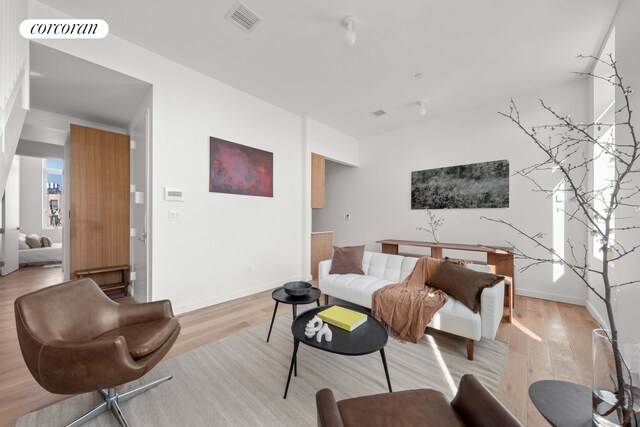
{"points": [[74, 339], [473, 406]]}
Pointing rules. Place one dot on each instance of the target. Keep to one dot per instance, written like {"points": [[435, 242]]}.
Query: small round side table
{"points": [[562, 403], [280, 296]]}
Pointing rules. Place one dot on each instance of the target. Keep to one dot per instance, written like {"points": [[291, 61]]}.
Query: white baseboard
{"points": [[195, 305], [596, 315], [551, 297]]}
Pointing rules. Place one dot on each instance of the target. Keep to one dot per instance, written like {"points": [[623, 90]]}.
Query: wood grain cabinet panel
{"points": [[317, 181], [321, 249]]}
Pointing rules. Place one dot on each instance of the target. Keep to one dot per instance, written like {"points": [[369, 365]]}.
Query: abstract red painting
{"points": [[238, 169]]}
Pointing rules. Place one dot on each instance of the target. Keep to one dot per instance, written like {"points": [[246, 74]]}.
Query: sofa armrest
{"points": [[478, 407], [324, 268], [491, 309], [328, 413]]}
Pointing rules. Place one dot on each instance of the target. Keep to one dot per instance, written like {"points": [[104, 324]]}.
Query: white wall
{"points": [[225, 246], [31, 199], [627, 34], [331, 143], [377, 193]]}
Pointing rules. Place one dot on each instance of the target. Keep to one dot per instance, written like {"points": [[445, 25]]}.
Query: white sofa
{"points": [[383, 269]]}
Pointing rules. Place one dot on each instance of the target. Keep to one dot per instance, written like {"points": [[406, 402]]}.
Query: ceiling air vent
{"points": [[244, 17], [379, 113]]}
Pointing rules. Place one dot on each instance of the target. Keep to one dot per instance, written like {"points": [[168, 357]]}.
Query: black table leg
{"points": [[294, 307], [318, 302], [272, 319], [386, 371], [293, 363]]}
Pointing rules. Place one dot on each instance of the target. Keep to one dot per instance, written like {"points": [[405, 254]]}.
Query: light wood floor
{"points": [[546, 340]]}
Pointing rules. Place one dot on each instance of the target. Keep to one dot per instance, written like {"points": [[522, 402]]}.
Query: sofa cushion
{"points": [[385, 266], [462, 283], [354, 288], [347, 260]]}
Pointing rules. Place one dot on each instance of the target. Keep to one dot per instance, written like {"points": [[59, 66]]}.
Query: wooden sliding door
{"points": [[100, 200]]}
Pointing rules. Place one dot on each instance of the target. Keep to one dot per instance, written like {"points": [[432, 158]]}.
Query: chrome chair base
{"points": [[112, 399]]}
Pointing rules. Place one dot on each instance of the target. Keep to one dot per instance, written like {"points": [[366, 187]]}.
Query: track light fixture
{"points": [[423, 109], [349, 36]]}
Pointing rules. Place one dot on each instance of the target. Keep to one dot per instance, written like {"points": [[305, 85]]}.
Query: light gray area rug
{"points": [[240, 380]]}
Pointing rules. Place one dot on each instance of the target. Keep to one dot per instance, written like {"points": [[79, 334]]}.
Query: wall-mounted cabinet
{"points": [[317, 181]]}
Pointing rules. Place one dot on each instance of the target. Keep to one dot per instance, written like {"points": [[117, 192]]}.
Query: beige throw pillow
{"points": [[45, 241], [33, 240], [347, 260]]}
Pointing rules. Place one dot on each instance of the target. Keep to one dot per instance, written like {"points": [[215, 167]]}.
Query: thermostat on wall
{"points": [[174, 194]]}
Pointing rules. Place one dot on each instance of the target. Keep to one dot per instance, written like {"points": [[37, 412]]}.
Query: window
{"points": [[52, 193], [604, 174]]}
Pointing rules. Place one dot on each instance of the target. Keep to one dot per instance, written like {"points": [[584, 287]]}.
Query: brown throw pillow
{"points": [[33, 240], [347, 260], [462, 283], [45, 241]]}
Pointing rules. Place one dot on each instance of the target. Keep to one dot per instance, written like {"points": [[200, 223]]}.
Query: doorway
{"points": [[140, 244], [10, 220]]}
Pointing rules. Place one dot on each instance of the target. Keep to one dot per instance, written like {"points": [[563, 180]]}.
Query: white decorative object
{"points": [[313, 326], [325, 332]]}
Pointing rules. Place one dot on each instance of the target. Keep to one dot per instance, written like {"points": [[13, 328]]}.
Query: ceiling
{"points": [[469, 52], [70, 86]]}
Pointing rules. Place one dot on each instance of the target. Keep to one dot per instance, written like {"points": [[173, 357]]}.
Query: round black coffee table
{"points": [[367, 338], [280, 296]]}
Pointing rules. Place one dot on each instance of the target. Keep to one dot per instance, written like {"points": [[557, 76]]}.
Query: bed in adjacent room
{"points": [[49, 253], [39, 256]]}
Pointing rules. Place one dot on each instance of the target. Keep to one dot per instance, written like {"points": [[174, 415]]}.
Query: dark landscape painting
{"points": [[238, 169], [473, 186]]}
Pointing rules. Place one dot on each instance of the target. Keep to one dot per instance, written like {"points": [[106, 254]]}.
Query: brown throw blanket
{"points": [[408, 307]]}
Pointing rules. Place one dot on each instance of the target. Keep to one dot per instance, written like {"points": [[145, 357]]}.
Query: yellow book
{"points": [[343, 317]]}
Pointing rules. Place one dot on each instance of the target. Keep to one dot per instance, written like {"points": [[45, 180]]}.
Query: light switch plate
{"points": [[132, 232], [174, 215]]}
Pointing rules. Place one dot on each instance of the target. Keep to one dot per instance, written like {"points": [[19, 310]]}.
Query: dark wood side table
{"points": [[562, 403], [280, 296]]}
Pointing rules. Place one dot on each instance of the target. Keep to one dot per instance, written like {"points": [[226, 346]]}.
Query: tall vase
{"points": [[614, 405]]}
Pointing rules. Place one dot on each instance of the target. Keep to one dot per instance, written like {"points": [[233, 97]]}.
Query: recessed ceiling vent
{"points": [[379, 113], [244, 17]]}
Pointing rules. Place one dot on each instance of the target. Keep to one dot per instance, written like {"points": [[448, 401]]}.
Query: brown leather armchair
{"points": [[472, 406], [74, 339]]}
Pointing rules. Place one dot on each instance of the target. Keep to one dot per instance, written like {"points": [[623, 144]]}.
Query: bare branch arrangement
{"points": [[567, 145], [434, 222]]}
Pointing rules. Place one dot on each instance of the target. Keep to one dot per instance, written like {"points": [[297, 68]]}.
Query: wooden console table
{"points": [[499, 258]]}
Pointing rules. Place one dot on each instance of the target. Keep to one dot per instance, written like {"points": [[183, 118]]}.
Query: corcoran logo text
{"points": [[64, 29]]}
